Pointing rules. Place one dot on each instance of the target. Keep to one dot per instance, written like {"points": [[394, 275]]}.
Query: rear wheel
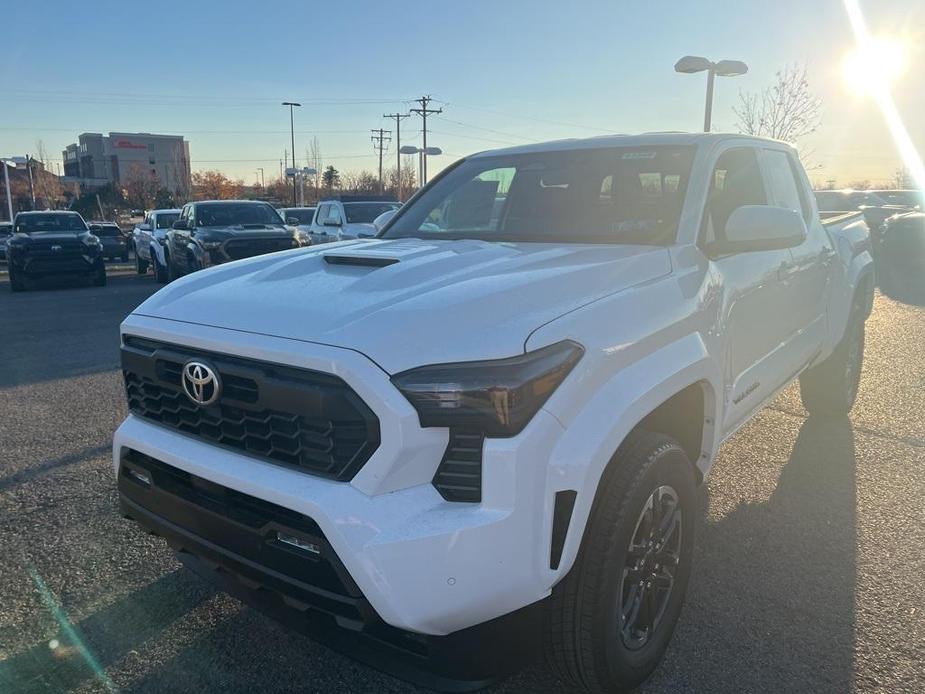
{"points": [[610, 619], [831, 388]]}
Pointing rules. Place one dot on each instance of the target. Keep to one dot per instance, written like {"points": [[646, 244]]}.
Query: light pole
{"points": [[291, 104], [260, 171], [421, 152], [6, 180], [690, 64]]}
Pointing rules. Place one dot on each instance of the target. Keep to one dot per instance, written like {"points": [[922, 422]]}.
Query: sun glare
{"points": [[874, 65]]}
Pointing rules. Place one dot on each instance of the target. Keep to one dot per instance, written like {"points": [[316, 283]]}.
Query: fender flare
{"points": [[595, 434]]}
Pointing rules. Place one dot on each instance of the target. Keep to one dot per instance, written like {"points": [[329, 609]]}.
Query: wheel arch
{"points": [[675, 392]]}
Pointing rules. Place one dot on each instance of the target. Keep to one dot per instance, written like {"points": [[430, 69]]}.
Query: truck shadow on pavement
{"points": [[771, 605]]}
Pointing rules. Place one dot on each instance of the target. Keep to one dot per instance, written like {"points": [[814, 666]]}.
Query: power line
{"points": [[423, 112], [479, 127], [398, 118], [380, 142]]}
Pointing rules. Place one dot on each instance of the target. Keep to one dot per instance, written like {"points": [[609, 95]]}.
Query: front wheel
{"points": [[831, 387], [99, 277], [160, 272], [141, 266], [610, 619], [16, 282], [172, 273]]}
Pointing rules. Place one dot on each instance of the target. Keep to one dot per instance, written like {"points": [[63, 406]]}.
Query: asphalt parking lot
{"points": [[808, 573]]}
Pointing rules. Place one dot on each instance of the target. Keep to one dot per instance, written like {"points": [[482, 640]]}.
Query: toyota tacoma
{"points": [[46, 244], [482, 433]]}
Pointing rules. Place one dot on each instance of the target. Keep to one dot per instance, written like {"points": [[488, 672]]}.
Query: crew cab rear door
{"points": [[754, 320]]}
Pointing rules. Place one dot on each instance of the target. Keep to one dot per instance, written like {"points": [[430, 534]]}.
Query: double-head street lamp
{"points": [[291, 104], [421, 152], [690, 64]]}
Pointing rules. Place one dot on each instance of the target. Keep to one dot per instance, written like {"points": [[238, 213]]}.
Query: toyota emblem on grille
{"points": [[56, 247], [201, 383]]}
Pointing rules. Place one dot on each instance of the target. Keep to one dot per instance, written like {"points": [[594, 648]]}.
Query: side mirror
{"points": [[144, 227], [292, 221], [761, 228], [95, 227], [332, 223], [181, 224]]}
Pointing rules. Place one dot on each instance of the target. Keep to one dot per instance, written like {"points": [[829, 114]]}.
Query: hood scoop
{"points": [[359, 260]]}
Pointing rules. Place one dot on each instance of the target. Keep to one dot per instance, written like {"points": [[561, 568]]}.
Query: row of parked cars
{"points": [[896, 219], [175, 242]]}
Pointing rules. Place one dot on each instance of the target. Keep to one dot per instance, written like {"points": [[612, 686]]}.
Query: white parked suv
{"points": [[150, 238], [487, 430]]}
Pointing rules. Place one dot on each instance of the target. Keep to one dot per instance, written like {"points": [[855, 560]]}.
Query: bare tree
{"points": [[903, 179], [787, 110]]}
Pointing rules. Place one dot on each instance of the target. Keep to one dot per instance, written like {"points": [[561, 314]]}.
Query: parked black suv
{"points": [[53, 243], [217, 231]]}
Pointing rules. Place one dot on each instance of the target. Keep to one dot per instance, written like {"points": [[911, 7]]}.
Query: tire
{"points": [[124, 258], [160, 272], [16, 282], [141, 266], [99, 277], [172, 273], [587, 638], [830, 388]]}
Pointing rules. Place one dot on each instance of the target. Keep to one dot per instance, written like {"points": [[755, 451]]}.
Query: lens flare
{"points": [[874, 65], [877, 63]]}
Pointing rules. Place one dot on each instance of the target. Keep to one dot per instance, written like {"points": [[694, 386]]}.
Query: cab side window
{"points": [[321, 216], [785, 189], [736, 182]]}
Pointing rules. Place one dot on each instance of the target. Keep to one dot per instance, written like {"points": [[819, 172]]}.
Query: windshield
{"points": [[50, 223], [366, 212], [107, 230], [223, 214], [303, 214], [612, 195], [166, 220]]}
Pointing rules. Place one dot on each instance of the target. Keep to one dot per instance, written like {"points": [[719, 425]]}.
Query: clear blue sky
{"points": [[505, 72]]}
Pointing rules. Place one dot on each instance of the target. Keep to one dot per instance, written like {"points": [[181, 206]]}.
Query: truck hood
{"points": [[407, 302]]}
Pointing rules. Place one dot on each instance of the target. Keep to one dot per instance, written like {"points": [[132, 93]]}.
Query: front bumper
{"points": [[233, 541], [423, 564], [40, 266]]}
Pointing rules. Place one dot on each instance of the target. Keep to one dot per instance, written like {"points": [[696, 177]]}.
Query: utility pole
{"points": [[291, 105], [397, 117], [423, 112], [379, 142], [31, 187]]}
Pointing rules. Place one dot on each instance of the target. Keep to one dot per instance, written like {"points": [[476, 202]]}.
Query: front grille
{"points": [[246, 248], [459, 476], [307, 420]]}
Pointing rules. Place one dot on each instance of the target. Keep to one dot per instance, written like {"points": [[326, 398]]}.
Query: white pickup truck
{"points": [[149, 239], [486, 430]]}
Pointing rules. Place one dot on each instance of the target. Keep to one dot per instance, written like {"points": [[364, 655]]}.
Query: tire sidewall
{"points": [[670, 468]]}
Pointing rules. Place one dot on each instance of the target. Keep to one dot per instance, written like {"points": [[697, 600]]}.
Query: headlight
{"points": [[210, 245], [91, 241], [495, 397]]}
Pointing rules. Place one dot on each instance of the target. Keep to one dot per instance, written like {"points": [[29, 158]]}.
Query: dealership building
{"points": [[97, 159]]}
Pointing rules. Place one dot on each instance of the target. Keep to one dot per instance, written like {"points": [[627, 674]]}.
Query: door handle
{"points": [[786, 270]]}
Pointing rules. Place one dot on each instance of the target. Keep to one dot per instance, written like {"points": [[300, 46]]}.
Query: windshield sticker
{"points": [[639, 155]]}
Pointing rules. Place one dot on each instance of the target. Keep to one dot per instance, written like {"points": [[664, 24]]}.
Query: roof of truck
{"points": [[621, 140]]}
